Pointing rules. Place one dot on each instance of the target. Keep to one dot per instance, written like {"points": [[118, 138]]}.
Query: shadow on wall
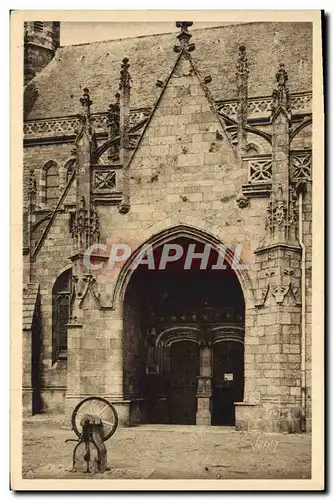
{"points": [[36, 357]]}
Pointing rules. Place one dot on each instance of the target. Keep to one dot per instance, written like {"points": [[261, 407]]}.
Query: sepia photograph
{"points": [[166, 237]]}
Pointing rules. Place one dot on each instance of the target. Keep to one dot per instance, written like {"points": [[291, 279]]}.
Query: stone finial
{"points": [[281, 95], [125, 79], [281, 76], [184, 37], [86, 101], [86, 120], [113, 110], [242, 66]]}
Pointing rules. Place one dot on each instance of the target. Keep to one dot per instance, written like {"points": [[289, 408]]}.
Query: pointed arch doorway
{"points": [[183, 339]]}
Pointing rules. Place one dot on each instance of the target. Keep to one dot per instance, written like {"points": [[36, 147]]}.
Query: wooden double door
{"points": [[227, 359], [227, 381], [184, 370]]}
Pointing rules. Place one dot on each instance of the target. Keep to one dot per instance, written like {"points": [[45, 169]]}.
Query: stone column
{"points": [[28, 220], [124, 125], [95, 349], [26, 371], [274, 341], [73, 392], [242, 87], [204, 387], [113, 120]]}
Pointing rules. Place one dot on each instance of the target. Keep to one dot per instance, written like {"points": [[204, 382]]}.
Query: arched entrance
{"points": [[183, 337]]}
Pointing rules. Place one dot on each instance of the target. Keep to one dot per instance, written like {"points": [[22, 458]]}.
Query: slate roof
{"points": [[96, 65], [30, 294]]}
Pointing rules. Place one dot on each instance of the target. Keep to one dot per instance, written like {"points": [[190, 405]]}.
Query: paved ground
{"points": [[170, 452]]}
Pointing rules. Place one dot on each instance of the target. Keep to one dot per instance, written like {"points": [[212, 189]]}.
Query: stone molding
{"points": [[259, 169], [258, 108], [69, 125]]}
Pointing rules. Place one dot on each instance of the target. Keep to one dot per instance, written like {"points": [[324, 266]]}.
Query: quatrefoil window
{"points": [[260, 171], [105, 180], [302, 167]]}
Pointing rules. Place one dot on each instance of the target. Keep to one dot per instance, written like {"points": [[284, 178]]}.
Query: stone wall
{"points": [[184, 173], [50, 261], [307, 237], [36, 59], [133, 347]]}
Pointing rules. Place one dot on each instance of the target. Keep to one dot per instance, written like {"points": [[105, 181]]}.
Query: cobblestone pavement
{"points": [[169, 452]]}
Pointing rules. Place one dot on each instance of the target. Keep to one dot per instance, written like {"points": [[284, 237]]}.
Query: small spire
{"points": [[184, 37], [125, 79], [86, 101], [281, 95]]}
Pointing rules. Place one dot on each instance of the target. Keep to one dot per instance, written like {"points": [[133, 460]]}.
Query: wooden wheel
{"points": [[99, 407]]}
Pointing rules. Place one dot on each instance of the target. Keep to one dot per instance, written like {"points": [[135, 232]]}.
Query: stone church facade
{"points": [[202, 139]]}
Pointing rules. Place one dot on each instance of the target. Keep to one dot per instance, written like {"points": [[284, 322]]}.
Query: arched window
{"points": [[52, 184], [38, 26], [61, 303], [49, 184]]}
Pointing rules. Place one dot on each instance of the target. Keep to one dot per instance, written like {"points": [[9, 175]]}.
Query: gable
{"points": [[184, 155]]}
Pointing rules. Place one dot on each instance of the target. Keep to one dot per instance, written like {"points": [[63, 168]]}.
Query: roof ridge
{"points": [[158, 34], [97, 64]]}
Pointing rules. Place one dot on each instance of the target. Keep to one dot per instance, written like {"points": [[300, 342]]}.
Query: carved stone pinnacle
{"points": [[125, 78], [281, 76], [85, 99], [281, 95], [242, 63]]}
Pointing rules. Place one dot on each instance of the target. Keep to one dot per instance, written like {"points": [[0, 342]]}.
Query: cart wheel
{"points": [[101, 408]]}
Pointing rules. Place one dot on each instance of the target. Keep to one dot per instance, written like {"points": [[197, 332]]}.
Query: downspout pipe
{"points": [[301, 190]]}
